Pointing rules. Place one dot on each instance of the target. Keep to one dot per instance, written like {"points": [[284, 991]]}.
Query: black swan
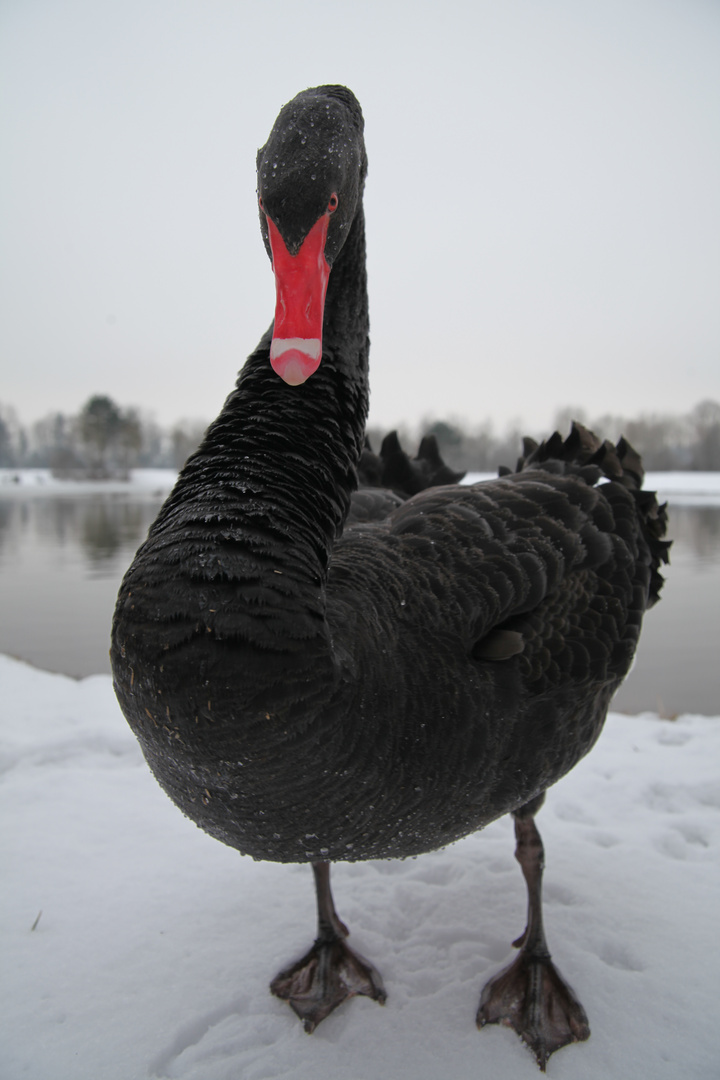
{"points": [[308, 694], [393, 469]]}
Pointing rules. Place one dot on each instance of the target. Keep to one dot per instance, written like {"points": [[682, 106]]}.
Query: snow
{"points": [[685, 488], [681, 488], [697, 487], [42, 482], [155, 945]]}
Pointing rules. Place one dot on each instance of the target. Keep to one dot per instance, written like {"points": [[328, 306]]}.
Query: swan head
{"points": [[310, 177]]}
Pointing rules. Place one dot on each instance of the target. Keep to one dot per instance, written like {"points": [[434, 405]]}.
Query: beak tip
{"points": [[294, 367]]}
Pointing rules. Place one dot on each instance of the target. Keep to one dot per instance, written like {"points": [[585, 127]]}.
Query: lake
{"points": [[64, 548]]}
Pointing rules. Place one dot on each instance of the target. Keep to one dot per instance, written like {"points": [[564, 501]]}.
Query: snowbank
{"points": [[681, 488], [155, 945], [685, 488], [42, 482], [678, 485]]}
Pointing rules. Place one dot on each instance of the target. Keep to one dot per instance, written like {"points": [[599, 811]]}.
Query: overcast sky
{"points": [[543, 199]]}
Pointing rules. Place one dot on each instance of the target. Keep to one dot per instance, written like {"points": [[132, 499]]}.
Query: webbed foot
{"points": [[531, 996], [330, 972], [325, 977]]}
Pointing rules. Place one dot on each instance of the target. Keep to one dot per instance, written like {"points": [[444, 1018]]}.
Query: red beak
{"points": [[300, 285]]}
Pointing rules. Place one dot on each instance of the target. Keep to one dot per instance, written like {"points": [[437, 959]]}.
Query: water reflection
{"points": [[61, 563], [62, 559], [100, 527], [107, 529], [696, 531]]}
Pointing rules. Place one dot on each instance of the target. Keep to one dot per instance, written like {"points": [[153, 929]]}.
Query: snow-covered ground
{"points": [[672, 484], [155, 945], [682, 488], [42, 482], [675, 485]]}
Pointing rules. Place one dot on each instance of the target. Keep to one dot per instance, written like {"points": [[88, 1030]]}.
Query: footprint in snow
{"points": [[617, 955], [556, 893], [672, 736], [191, 1034], [605, 839], [574, 812], [683, 841], [437, 873]]}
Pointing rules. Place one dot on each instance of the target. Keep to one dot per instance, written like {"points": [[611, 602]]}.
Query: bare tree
{"points": [[706, 421], [106, 440], [7, 457], [11, 437], [99, 425], [185, 437], [129, 438]]}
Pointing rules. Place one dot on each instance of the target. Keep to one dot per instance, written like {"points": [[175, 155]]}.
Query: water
{"points": [[62, 558], [61, 562]]}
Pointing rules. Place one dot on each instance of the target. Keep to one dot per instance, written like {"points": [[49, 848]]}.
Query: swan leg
{"points": [[530, 995], [330, 972]]}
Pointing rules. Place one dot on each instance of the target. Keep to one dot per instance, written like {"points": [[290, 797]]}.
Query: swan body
{"points": [[311, 684]]}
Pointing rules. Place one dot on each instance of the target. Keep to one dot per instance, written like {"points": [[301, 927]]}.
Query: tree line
{"points": [[690, 441], [103, 440], [106, 440]]}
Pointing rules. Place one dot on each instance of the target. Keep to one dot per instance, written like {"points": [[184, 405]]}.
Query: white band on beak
{"points": [[312, 347]]}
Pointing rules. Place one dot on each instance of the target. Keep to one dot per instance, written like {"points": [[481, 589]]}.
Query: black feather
{"points": [[317, 674]]}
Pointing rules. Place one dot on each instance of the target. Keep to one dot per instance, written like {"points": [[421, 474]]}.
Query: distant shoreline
{"points": [[680, 487]]}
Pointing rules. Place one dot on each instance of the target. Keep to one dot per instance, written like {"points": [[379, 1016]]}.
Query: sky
{"points": [[543, 217]]}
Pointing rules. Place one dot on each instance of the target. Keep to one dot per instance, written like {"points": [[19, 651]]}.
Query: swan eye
{"points": [[333, 203], [260, 203]]}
